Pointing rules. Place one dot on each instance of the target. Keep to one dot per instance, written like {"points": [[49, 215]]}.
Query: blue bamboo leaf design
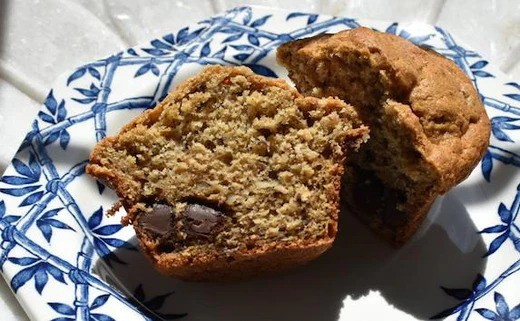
{"points": [[494, 229], [38, 271], [92, 92], [459, 294], [45, 225], [99, 301], [505, 214], [155, 52], [513, 96], [142, 70], [487, 166], [62, 112], [84, 100], [76, 75], [488, 314], [56, 273], [262, 70], [160, 45], [501, 135], [19, 191], [117, 243], [100, 317], [157, 302], [170, 38], [132, 52], [247, 48], [260, 21], [232, 38], [206, 50], [23, 261], [100, 186], [63, 319], [46, 118], [11, 218], [94, 73], [64, 139], [312, 18], [392, 28], [496, 243], [31, 199], [95, 218], [62, 308], [479, 64], [483, 74], [46, 231], [220, 54], [154, 69], [108, 229], [51, 138], [184, 36], [479, 284], [295, 15], [40, 279], [513, 84], [502, 310], [247, 16], [22, 277], [18, 180], [241, 57], [50, 102], [2, 209], [253, 39]]}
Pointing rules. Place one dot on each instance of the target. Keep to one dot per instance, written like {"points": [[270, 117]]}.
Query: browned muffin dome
{"points": [[428, 127]]}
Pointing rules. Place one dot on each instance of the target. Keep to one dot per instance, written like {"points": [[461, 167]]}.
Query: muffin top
{"points": [[431, 96]]}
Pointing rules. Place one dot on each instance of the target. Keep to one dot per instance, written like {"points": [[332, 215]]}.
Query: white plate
{"points": [[65, 260]]}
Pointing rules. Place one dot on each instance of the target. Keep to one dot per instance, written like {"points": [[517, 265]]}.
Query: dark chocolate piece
{"points": [[157, 221], [202, 220], [376, 199]]}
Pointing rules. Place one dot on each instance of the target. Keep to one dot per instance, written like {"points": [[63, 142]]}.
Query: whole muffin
{"points": [[428, 126], [232, 175]]}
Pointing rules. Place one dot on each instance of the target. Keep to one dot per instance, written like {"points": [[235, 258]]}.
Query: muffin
{"points": [[232, 175], [428, 126]]}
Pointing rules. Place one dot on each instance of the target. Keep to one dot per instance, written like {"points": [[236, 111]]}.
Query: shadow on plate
{"points": [[447, 253]]}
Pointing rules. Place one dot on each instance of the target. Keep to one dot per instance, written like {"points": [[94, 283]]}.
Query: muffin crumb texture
{"points": [[233, 173]]}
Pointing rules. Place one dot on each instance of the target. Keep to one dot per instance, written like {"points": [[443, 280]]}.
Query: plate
{"points": [[65, 260]]}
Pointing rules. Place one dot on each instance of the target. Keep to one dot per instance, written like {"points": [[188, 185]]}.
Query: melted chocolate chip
{"points": [[157, 221], [201, 220], [373, 197]]}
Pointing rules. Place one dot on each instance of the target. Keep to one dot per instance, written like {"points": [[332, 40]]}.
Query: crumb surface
{"points": [[249, 148]]}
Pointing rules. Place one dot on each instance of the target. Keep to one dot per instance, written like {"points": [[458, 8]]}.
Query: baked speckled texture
{"points": [[232, 175], [428, 126]]}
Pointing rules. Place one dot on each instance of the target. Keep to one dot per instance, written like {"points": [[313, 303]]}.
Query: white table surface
{"points": [[40, 40]]}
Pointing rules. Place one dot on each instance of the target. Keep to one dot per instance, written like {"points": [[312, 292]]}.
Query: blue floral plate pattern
{"points": [[65, 260]]}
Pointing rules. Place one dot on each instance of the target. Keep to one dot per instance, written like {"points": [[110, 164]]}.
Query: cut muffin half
{"points": [[428, 127], [232, 175]]}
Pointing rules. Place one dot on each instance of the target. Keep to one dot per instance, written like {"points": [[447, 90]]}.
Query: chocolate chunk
{"points": [[157, 221], [377, 199], [202, 220]]}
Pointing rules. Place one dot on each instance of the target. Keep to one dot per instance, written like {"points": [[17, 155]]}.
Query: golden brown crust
{"points": [[441, 119], [215, 266]]}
